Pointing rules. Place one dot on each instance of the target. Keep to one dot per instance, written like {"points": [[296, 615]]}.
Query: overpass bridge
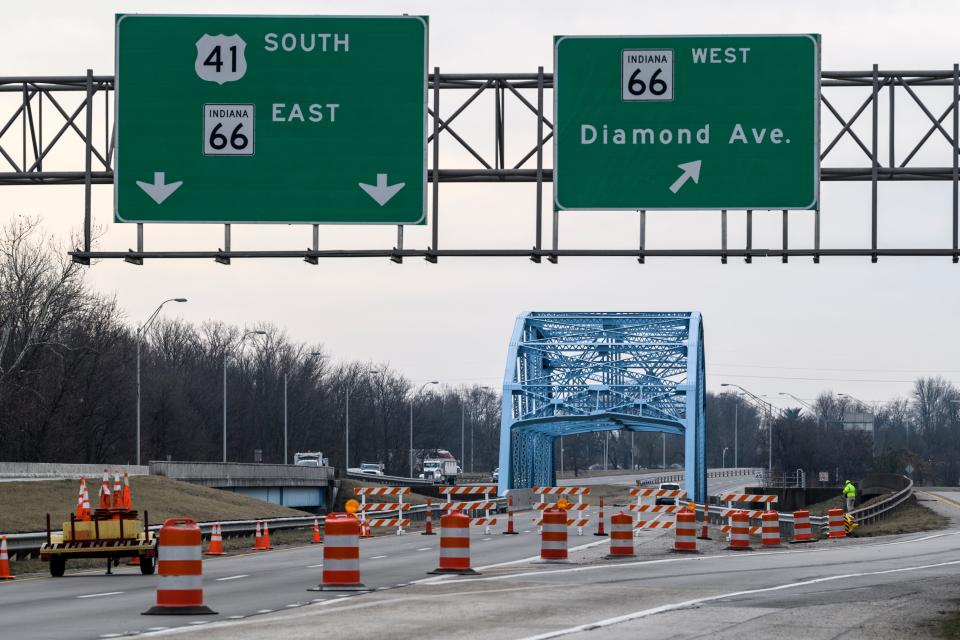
{"points": [[310, 488]]}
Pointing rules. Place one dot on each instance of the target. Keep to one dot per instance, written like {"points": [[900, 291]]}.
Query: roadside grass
{"points": [[24, 505], [909, 517]]}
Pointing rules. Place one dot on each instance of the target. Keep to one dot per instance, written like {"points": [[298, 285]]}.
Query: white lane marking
{"points": [[265, 611], [199, 622], [100, 595], [425, 549], [235, 617], [343, 595], [644, 613], [314, 566], [156, 628], [376, 557], [487, 539], [242, 575], [526, 530], [112, 635], [292, 606]]}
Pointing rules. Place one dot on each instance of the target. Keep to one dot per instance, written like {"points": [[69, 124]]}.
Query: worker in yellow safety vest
{"points": [[850, 492]]}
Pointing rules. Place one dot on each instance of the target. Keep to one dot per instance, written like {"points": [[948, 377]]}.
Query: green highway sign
{"points": [[282, 119], [687, 122]]}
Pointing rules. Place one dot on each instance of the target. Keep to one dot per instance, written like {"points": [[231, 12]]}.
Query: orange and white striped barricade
{"points": [[383, 507], [739, 532], [5, 561], [216, 541], [685, 532], [454, 544], [486, 503], [553, 537], [179, 570], [735, 503], [801, 527], [835, 524], [621, 536], [510, 530], [341, 554], [770, 529], [641, 507], [600, 518], [579, 508]]}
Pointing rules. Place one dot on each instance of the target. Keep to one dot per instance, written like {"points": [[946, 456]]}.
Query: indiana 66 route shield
{"points": [[304, 119], [687, 122]]}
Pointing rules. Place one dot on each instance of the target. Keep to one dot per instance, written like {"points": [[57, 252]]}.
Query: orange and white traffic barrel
{"points": [[341, 554], [510, 530], [770, 529], [553, 536], [621, 536], [180, 570], [454, 544], [685, 540], [801, 527], [739, 531], [835, 525]]}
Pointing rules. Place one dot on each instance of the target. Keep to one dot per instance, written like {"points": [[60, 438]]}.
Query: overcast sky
{"points": [[845, 324]]}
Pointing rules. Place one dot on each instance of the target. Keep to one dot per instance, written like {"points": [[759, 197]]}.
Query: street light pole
{"points": [[140, 331], [736, 435], [286, 460], [768, 409], [225, 356], [724, 457], [663, 449], [346, 453]]}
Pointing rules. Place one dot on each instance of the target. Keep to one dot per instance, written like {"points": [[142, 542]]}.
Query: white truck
{"points": [[371, 468], [440, 470], [310, 459]]}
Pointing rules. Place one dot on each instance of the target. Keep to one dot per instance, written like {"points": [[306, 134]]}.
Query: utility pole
{"points": [[736, 435], [663, 448], [286, 460], [346, 452], [632, 467]]}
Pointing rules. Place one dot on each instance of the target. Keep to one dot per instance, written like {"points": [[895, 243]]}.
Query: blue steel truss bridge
{"points": [[570, 373]]}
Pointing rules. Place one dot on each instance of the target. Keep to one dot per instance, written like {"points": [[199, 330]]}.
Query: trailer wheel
{"points": [[146, 566], [58, 565]]}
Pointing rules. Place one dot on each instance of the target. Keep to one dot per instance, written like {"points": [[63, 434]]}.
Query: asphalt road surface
{"points": [[854, 588]]}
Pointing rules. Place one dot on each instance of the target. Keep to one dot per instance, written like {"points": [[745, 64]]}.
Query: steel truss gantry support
{"points": [[570, 373], [52, 132]]}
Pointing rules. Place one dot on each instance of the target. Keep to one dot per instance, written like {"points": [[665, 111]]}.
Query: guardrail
{"points": [[22, 545], [716, 473], [877, 510], [394, 480]]}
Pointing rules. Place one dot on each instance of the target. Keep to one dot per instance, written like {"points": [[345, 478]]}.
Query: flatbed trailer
{"points": [[110, 534]]}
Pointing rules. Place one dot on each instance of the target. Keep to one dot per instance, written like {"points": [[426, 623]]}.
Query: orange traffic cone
{"points": [[83, 501], [258, 539], [429, 529], [316, 532], [266, 537], [105, 490], [127, 501], [4, 561], [600, 530], [117, 491], [216, 541]]}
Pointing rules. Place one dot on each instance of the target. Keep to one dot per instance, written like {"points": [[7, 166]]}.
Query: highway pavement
{"points": [[830, 589]]}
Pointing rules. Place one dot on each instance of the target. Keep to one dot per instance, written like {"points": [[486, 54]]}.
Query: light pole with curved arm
{"points": [[226, 355], [807, 405], [413, 399], [140, 331], [769, 411]]}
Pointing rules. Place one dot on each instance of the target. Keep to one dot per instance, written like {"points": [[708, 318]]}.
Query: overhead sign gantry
{"points": [[305, 119], [686, 122]]}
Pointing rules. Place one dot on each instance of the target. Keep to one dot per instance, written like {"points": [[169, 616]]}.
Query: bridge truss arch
{"points": [[570, 373]]}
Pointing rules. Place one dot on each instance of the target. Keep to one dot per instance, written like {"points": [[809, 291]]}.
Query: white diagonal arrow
{"points": [[159, 190], [690, 170], [381, 192]]}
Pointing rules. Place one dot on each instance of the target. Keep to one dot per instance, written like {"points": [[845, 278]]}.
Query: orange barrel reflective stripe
{"points": [[179, 570], [801, 527], [685, 540], [341, 554], [739, 531], [621, 536], [553, 537], [770, 529], [454, 544], [835, 528]]}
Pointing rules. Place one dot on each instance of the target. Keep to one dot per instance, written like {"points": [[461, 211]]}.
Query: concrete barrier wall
{"points": [[239, 474], [57, 470]]}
